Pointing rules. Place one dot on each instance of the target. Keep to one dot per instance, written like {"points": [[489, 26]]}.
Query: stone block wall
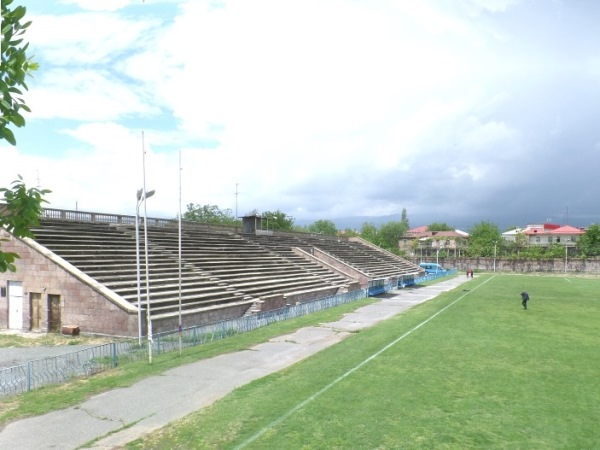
{"points": [[557, 265], [80, 304], [204, 317], [307, 296]]}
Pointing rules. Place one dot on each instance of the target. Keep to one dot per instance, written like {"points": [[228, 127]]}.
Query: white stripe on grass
{"points": [[349, 372]]}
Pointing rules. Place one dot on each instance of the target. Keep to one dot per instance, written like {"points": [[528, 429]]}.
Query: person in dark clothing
{"points": [[524, 299]]}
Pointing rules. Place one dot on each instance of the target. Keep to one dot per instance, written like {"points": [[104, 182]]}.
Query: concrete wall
{"points": [[203, 317], [270, 302], [341, 266], [338, 267], [307, 296], [591, 266]]}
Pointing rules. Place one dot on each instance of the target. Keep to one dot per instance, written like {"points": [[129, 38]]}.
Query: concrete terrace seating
{"points": [[282, 245], [107, 253], [238, 263], [377, 263], [374, 262], [218, 268]]}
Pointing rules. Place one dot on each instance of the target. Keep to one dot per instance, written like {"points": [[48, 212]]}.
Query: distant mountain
{"points": [[355, 223], [463, 223]]}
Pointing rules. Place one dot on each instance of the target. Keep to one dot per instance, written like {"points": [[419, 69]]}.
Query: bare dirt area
{"points": [[17, 348], [16, 339]]}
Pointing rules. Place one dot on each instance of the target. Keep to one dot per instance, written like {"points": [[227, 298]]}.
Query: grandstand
{"points": [[82, 269]]}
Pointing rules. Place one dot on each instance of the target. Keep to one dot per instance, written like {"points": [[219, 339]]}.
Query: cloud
{"points": [[104, 5], [85, 95], [322, 110], [81, 57], [88, 38], [491, 6]]}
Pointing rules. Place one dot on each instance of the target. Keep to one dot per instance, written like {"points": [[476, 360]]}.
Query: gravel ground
{"points": [[15, 356]]}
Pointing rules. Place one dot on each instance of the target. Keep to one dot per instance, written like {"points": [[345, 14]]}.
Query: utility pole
{"points": [[236, 200]]}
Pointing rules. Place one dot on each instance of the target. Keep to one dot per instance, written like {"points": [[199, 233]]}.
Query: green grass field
{"points": [[468, 369]]}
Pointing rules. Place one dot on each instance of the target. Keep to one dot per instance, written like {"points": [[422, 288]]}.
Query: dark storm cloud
{"points": [[457, 111], [537, 148]]}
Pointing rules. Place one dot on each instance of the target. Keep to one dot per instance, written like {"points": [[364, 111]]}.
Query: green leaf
{"points": [[19, 13], [8, 135], [18, 120]]}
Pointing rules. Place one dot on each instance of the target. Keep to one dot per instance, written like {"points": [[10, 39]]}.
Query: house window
{"points": [[549, 239], [557, 239], [537, 239]]}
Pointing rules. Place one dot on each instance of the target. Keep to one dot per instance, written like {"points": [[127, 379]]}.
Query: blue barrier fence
{"points": [[87, 362], [435, 276]]}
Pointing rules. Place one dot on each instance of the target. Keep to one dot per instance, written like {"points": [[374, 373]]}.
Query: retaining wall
{"points": [[558, 265]]}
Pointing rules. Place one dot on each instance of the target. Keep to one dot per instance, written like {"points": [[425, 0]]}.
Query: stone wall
{"points": [[80, 304], [574, 266], [204, 317], [309, 295]]}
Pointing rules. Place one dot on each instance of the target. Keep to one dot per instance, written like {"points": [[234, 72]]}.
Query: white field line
{"points": [[569, 280], [349, 372]]}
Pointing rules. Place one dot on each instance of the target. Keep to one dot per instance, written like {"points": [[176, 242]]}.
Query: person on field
{"points": [[524, 299]]}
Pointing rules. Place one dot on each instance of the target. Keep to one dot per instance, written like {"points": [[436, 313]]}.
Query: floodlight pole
{"points": [[148, 316], [236, 201], [139, 198], [494, 256], [137, 263], [180, 321]]}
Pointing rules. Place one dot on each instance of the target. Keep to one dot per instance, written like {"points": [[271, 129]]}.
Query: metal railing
{"points": [[87, 362], [435, 276], [169, 341]]}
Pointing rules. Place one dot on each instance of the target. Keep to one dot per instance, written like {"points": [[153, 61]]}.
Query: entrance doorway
{"points": [[53, 313], [35, 308], [15, 305]]}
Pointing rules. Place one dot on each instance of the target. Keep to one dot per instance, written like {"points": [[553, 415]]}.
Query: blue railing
{"points": [[435, 276], [87, 362]]}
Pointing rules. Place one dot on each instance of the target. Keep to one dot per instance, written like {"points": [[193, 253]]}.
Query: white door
{"points": [[15, 305]]}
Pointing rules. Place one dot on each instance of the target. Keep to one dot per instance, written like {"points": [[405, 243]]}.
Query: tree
{"points": [[209, 214], [349, 232], [279, 220], [404, 218], [23, 207], [485, 238], [521, 242], [14, 67], [21, 211], [439, 226], [555, 250], [323, 227], [369, 233], [390, 234], [589, 242]]}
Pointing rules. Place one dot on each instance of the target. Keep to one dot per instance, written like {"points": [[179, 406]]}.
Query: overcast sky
{"points": [[458, 111]]}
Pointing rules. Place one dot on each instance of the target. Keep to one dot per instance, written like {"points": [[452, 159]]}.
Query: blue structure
{"points": [[431, 267]]}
